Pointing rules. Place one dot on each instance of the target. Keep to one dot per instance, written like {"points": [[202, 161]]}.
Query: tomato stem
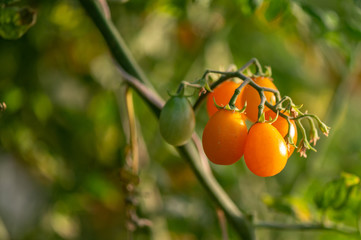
{"points": [[180, 90], [236, 74], [307, 226], [259, 70], [288, 136], [261, 106], [237, 91]]}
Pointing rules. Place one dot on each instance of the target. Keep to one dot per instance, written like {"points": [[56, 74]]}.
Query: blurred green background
{"points": [[63, 138]]}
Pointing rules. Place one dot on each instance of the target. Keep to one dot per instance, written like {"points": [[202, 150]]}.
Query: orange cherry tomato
{"points": [[224, 137], [265, 152], [251, 96], [282, 126], [222, 94]]}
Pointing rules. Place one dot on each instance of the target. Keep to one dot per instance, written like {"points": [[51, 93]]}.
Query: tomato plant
{"points": [[265, 151], [251, 96], [224, 137], [222, 94], [177, 121], [281, 125]]}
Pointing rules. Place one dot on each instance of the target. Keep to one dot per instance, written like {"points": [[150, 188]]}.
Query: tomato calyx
{"points": [[270, 119], [268, 72], [229, 107], [205, 84]]}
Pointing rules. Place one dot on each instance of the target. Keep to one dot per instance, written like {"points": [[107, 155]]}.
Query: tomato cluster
{"points": [[226, 139]]}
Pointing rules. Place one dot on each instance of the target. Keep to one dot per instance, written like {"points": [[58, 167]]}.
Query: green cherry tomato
{"points": [[177, 121]]}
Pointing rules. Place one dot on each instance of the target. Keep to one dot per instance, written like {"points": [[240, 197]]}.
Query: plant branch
{"points": [[154, 101], [307, 227], [237, 219], [132, 74], [222, 223], [96, 9], [193, 157]]}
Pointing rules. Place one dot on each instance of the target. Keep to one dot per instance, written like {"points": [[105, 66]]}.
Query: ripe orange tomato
{"points": [[265, 152], [281, 125], [224, 137], [251, 96], [222, 94]]}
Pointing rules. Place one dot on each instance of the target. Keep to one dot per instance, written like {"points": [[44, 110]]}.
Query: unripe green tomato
{"points": [[177, 121]]}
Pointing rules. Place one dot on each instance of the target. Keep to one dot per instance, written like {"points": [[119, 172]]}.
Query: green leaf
{"points": [[350, 179], [254, 4], [16, 21], [276, 8], [336, 193], [278, 204]]}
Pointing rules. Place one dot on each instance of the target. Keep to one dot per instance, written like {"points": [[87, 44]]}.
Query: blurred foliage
{"points": [[15, 19], [64, 124]]}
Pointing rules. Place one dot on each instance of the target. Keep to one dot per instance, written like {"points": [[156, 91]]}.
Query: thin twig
{"points": [[133, 130], [223, 223], [307, 227]]}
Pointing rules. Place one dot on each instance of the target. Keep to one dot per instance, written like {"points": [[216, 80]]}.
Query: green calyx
{"points": [[270, 120], [229, 107]]}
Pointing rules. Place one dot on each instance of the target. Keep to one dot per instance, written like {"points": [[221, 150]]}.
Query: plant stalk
{"points": [[133, 75]]}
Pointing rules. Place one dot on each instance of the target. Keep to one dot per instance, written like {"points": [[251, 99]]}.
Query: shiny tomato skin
{"points": [[177, 121], [265, 152], [222, 94], [224, 137], [281, 125], [251, 96]]}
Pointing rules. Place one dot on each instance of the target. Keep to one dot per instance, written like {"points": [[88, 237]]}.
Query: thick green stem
{"points": [[234, 215], [114, 40], [132, 74]]}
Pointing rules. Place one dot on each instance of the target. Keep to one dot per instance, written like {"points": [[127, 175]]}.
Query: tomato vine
{"points": [[190, 151], [294, 111]]}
